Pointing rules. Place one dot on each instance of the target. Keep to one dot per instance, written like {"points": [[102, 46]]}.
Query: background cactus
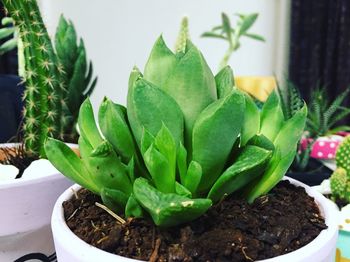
{"points": [[340, 179], [77, 75], [48, 79], [182, 129]]}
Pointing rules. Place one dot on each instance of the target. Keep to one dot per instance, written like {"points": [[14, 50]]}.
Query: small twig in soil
{"points": [[75, 193], [73, 214], [118, 218], [154, 254], [245, 254], [102, 239]]}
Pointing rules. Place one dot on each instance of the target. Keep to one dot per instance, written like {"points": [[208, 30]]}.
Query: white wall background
{"points": [[119, 34]]}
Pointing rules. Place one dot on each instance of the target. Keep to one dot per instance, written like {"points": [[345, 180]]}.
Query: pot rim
{"points": [[29, 181], [327, 209]]}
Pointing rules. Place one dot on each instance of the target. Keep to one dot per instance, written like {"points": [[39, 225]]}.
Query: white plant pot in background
{"points": [[25, 210], [70, 248]]}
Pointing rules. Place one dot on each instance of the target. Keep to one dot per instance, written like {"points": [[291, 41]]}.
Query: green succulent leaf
{"points": [[149, 107], [261, 141], [168, 209], [160, 64], [272, 117], [192, 85], [214, 134], [274, 172], [159, 168], [181, 159], [114, 199], [182, 190], [251, 124], [224, 82], [85, 148], [133, 208], [114, 126], [87, 125], [248, 166], [285, 151], [69, 164], [107, 170], [193, 176]]}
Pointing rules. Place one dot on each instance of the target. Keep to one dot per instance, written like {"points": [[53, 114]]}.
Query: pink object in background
{"points": [[325, 147]]}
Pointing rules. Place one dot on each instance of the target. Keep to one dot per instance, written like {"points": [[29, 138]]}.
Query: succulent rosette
{"points": [[185, 140]]}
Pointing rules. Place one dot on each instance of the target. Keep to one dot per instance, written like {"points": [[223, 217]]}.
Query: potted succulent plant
{"points": [[187, 145], [57, 79], [338, 189]]}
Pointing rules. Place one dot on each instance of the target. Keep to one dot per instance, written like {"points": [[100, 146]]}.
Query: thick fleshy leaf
{"points": [[193, 176], [181, 159], [275, 171], [261, 141], [192, 85], [251, 124], [290, 133], [85, 148], [286, 146], [87, 125], [69, 164], [224, 82], [272, 117], [249, 164], [214, 134], [182, 190], [158, 166], [107, 170], [133, 208], [114, 199], [160, 64], [114, 126], [168, 209], [149, 107]]}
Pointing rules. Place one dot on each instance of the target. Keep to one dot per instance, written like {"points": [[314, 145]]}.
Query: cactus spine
{"points": [[340, 179]]}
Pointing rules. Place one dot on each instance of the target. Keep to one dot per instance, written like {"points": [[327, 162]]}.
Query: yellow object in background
{"points": [[339, 258], [258, 86]]}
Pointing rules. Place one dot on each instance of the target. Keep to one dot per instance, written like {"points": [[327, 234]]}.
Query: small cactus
{"points": [[340, 179], [342, 157], [339, 182]]}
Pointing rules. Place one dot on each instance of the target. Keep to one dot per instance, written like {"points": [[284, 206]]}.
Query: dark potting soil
{"points": [[17, 157], [280, 222]]}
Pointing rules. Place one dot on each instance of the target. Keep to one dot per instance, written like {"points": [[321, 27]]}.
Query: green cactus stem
{"points": [[339, 183], [43, 94], [342, 157]]}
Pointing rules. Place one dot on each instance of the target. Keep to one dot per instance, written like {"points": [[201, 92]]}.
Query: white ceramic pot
{"points": [[25, 210], [70, 248]]}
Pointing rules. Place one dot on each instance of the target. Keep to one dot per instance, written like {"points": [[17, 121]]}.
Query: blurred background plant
{"points": [[56, 76], [232, 35]]}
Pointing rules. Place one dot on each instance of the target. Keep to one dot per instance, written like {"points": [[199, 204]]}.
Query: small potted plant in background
{"points": [[57, 79], [187, 146], [322, 135], [257, 86]]}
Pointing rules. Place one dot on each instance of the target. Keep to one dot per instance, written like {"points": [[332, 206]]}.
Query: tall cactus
{"points": [[42, 77]]}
